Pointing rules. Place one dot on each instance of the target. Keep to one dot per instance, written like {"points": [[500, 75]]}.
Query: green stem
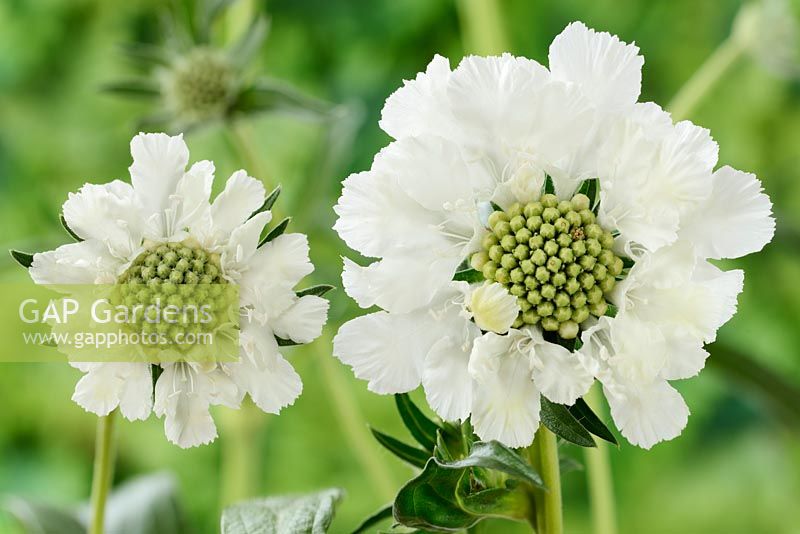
{"points": [[706, 77], [240, 468], [598, 473], [482, 27], [103, 471], [351, 422], [543, 456], [239, 135]]}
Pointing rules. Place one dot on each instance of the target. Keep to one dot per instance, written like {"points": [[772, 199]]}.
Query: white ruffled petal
{"points": [[560, 375], [387, 349], [267, 377], [419, 107], [378, 218], [190, 202], [87, 262], [506, 402], [108, 213], [735, 220], [242, 196], [303, 321], [608, 70], [109, 385], [445, 376], [243, 243], [159, 161], [648, 414], [397, 284]]}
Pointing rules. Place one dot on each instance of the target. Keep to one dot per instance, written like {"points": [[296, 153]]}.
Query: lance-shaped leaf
{"points": [[145, 53], [470, 276], [135, 88], [379, 516], [318, 290], [309, 514], [252, 39], [23, 258], [589, 420], [496, 456], [275, 97], [558, 419], [423, 429], [275, 232], [549, 187], [69, 230], [413, 455]]}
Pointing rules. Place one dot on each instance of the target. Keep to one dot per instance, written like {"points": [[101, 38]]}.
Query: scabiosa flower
{"points": [[536, 228], [195, 82], [161, 231]]}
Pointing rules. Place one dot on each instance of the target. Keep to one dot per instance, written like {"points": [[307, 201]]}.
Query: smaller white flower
{"points": [[164, 232]]}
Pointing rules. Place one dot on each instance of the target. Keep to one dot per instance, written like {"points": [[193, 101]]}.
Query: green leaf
{"points": [[611, 310], [252, 39], [23, 258], [558, 419], [274, 97], [468, 275], [589, 420], [429, 501], [275, 232], [69, 230], [423, 429], [145, 53], [414, 456], [491, 502], [268, 202], [283, 342], [379, 516], [43, 519], [146, 504], [132, 88], [549, 186], [318, 290], [302, 514], [496, 456]]}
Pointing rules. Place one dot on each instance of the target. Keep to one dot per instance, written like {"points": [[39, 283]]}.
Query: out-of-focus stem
{"points": [[239, 137], [103, 471], [241, 465], [482, 27], [598, 473]]}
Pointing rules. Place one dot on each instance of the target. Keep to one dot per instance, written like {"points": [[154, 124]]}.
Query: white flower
{"points": [[170, 206], [474, 150]]}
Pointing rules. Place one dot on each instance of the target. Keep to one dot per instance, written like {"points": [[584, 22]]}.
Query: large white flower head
{"points": [[538, 228], [164, 229]]}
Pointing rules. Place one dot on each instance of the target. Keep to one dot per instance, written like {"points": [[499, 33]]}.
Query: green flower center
{"points": [[555, 258], [167, 287], [201, 84]]}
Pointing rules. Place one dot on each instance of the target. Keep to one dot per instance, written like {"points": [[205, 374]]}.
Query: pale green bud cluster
{"points": [[200, 85], [170, 277], [554, 257]]}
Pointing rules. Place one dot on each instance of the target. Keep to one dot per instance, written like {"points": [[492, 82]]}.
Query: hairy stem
{"points": [[600, 481], [103, 471]]}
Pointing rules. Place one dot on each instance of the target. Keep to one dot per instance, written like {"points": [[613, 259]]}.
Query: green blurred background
{"points": [[736, 468]]}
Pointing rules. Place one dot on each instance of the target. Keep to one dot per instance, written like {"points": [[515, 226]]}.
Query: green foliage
{"points": [[584, 415], [142, 505], [304, 514], [276, 231], [558, 419], [23, 258], [423, 429]]}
